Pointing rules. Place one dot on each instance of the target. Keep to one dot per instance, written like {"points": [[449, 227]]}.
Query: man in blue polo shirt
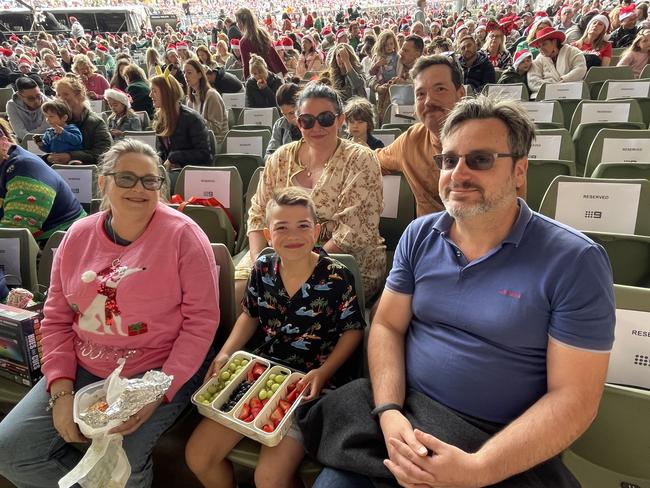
{"points": [[489, 349]]}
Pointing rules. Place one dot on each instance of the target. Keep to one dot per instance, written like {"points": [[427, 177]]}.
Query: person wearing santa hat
{"points": [[565, 19], [558, 62], [625, 34], [104, 57], [25, 65], [122, 117], [518, 72], [594, 45], [234, 61]]}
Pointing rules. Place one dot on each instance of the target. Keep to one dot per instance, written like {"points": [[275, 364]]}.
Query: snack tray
{"points": [[230, 419]]}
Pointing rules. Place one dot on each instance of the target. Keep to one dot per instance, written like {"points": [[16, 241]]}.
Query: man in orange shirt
{"points": [[438, 85]]}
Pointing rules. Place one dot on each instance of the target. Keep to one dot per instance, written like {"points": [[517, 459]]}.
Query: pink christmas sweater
{"points": [[155, 301]]}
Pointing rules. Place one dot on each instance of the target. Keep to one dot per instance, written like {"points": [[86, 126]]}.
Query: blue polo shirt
{"points": [[479, 332]]}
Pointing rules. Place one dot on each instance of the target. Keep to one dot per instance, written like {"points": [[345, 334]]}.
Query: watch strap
{"points": [[384, 408]]}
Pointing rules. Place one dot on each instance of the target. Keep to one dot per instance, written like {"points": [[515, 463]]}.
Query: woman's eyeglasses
{"points": [[325, 119], [478, 160], [126, 179]]}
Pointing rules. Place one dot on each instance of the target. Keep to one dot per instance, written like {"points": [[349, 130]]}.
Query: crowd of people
{"points": [[502, 417]]}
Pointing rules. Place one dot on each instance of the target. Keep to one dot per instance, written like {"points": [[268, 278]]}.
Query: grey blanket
{"points": [[340, 433]]}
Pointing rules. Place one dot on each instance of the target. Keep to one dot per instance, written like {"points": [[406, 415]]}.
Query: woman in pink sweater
{"points": [[136, 281], [95, 83]]}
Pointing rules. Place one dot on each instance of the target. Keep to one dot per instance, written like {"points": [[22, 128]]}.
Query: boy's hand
{"points": [[217, 363], [58, 129], [314, 380], [116, 132]]}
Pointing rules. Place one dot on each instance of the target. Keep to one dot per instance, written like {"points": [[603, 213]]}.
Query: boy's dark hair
{"points": [[58, 107], [291, 196], [287, 94], [25, 83], [417, 41], [360, 109], [425, 62]]}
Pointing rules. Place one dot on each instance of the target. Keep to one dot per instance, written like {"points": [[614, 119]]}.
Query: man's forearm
{"points": [[386, 364], [547, 428]]}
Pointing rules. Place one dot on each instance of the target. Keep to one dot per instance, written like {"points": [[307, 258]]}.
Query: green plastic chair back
{"points": [[246, 164], [239, 73], [214, 222], [568, 105], [586, 133], [629, 256], [227, 305], [402, 94], [622, 171], [234, 204], [387, 136], [595, 155], [401, 127], [645, 74], [391, 229], [597, 75], [633, 115], [614, 451], [242, 241], [642, 227], [248, 118], [47, 257], [25, 275], [541, 172]]}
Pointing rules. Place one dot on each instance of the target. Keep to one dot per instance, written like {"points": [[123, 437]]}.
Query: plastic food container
{"points": [[83, 399], [230, 418]]}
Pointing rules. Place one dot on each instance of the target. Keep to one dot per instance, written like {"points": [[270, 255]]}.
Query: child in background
{"points": [[302, 308], [359, 119], [122, 118], [61, 137], [385, 57], [637, 56], [518, 72]]}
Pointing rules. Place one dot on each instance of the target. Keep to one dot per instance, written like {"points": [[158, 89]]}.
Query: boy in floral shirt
{"points": [[301, 309]]}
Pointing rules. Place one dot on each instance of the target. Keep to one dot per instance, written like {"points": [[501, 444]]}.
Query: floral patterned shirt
{"points": [[301, 331], [348, 199]]}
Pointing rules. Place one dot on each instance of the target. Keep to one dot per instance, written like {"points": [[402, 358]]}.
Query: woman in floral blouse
{"points": [[345, 182]]}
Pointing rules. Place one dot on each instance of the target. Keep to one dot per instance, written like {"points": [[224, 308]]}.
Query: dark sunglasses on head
{"points": [[126, 179], [478, 160], [325, 119]]}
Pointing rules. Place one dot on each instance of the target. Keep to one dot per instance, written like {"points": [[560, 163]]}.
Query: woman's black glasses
{"points": [[478, 160], [126, 179], [325, 119]]}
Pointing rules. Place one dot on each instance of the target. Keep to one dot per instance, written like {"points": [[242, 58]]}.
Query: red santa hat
{"points": [[340, 33], [170, 48], [25, 62], [627, 11], [520, 57], [101, 47], [119, 96], [326, 31], [182, 45], [14, 38], [234, 44], [285, 43]]}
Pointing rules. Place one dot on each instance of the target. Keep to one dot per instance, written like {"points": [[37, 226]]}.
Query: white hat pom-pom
{"points": [[88, 276]]}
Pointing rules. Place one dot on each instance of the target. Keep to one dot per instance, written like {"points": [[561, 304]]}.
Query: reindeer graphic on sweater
{"points": [[102, 316]]}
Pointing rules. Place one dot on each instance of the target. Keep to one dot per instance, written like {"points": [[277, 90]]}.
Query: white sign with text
{"points": [[538, 111], [598, 207], [545, 147], [628, 89], [245, 145], [258, 116], [570, 90], [234, 100], [630, 356], [208, 184], [80, 182], [605, 112], [508, 92], [391, 196], [625, 151]]}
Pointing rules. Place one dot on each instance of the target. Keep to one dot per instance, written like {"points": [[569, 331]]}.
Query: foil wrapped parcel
{"points": [[125, 397]]}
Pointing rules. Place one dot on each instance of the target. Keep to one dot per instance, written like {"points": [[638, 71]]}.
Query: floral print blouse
{"points": [[348, 199]]}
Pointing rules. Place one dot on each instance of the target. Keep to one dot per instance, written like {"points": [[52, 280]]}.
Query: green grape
{"points": [[262, 395], [271, 377], [275, 387], [232, 367], [225, 375], [244, 362], [200, 398], [212, 389], [280, 378]]}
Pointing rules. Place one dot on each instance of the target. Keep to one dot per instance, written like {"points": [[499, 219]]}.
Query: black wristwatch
{"points": [[384, 408]]}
